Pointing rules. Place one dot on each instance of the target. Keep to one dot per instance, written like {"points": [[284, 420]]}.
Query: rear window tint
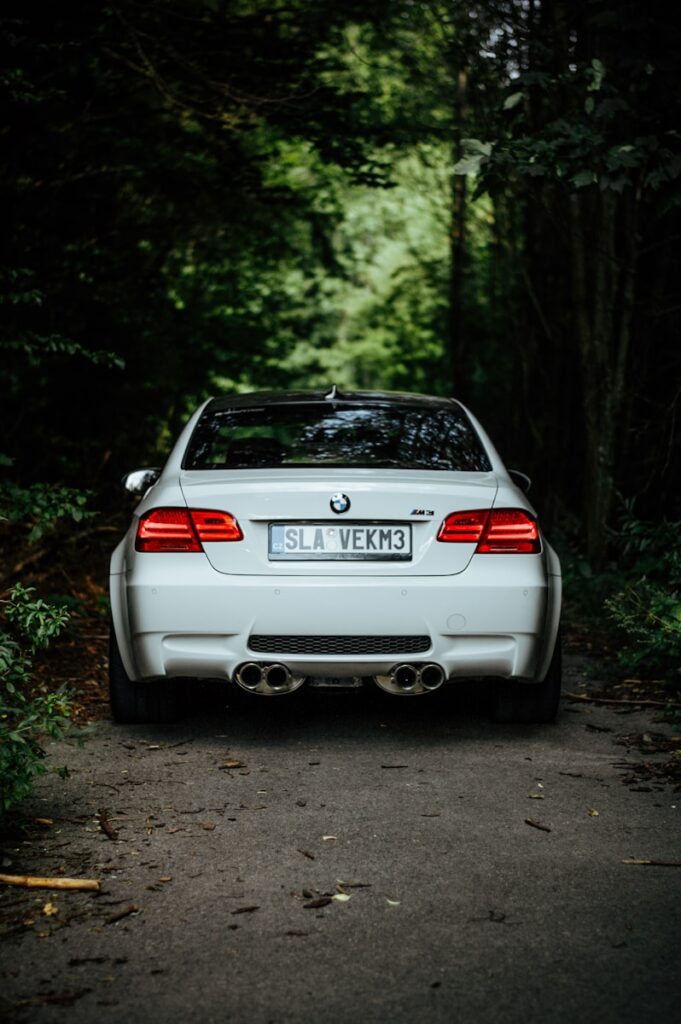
{"points": [[319, 434]]}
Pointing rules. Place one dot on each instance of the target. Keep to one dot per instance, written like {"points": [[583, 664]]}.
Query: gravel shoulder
{"points": [[232, 835]]}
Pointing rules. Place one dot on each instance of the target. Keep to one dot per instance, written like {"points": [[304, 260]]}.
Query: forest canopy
{"points": [[478, 199]]}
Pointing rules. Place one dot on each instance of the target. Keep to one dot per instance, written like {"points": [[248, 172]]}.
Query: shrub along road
{"points": [[354, 859]]}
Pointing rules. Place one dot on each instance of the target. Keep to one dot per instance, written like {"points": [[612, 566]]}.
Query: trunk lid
{"points": [[417, 500]]}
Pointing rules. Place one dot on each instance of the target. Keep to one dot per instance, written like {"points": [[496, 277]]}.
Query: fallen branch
{"points": [[35, 882], [624, 700], [653, 863], [131, 908], [537, 824]]}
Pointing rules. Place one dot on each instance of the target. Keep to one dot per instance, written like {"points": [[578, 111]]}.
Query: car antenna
{"points": [[332, 394]]}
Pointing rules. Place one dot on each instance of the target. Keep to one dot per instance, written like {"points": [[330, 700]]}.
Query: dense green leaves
{"points": [[28, 712], [647, 608]]}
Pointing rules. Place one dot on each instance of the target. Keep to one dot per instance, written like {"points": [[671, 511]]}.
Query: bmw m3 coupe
{"points": [[352, 538]]}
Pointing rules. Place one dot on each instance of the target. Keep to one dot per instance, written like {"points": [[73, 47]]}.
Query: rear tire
{"points": [[530, 702], [138, 702]]}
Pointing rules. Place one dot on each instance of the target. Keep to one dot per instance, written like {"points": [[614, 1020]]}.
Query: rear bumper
{"points": [[175, 616]]}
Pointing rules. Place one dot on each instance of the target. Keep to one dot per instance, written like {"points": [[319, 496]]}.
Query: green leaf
{"points": [[513, 100], [583, 178], [468, 165], [596, 74], [475, 151]]}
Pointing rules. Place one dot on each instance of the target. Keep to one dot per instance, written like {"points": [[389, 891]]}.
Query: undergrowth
{"points": [[633, 602], [28, 712]]}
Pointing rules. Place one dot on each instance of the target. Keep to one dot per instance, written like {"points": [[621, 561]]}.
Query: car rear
{"points": [[309, 536]]}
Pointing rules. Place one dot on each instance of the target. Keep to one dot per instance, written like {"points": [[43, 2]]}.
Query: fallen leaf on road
{"points": [[537, 824], [321, 901], [435, 814], [394, 766], [341, 897], [301, 803], [329, 838], [245, 910], [208, 826], [392, 903], [50, 909], [597, 728], [45, 822], [294, 931], [593, 813], [353, 885], [105, 825], [536, 796], [166, 878], [305, 853], [232, 762]]}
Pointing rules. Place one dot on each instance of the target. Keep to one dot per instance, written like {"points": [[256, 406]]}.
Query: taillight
{"points": [[183, 529], [215, 526], [463, 527], [497, 531]]}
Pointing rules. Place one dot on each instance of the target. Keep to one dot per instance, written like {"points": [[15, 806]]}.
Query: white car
{"points": [[333, 538]]}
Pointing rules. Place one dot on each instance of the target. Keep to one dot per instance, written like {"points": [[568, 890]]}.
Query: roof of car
{"points": [[332, 394]]}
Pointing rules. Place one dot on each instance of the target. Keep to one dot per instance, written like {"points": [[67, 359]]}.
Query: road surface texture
{"points": [[232, 835]]}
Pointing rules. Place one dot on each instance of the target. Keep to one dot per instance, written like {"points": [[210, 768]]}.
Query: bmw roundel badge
{"points": [[339, 502]]}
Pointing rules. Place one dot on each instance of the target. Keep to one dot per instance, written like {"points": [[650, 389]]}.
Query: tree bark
{"points": [[603, 282], [459, 363]]}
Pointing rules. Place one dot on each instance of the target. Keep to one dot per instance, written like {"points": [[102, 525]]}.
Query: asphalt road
{"points": [[233, 824]]}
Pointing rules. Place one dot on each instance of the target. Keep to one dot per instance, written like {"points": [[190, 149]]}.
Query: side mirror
{"points": [[140, 480], [521, 480]]}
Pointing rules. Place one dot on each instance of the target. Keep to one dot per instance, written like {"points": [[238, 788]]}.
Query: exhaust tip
{"points": [[432, 676], [266, 679], [277, 677], [411, 680], [405, 676], [249, 675]]}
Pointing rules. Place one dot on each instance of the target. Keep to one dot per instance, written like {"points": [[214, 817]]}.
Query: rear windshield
{"points": [[319, 434]]}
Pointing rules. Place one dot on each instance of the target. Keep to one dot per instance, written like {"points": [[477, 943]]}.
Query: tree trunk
{"points": [[603, 283], [459, 363]]}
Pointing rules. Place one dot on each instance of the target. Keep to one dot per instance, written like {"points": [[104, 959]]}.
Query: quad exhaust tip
{"points": [[273, 678], [412, 679], [267, 678]]}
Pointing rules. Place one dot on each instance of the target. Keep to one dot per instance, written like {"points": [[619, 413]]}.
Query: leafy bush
{"points": [[40, 507], [647, 608], [27, 712]]}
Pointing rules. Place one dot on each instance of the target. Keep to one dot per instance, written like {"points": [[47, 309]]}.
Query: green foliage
{"points": [[39, 508], [647, 609], [257, 194], [28, 713]]}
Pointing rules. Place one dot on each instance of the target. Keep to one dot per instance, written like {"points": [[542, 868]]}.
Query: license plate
{"points": [[381, 542]]}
